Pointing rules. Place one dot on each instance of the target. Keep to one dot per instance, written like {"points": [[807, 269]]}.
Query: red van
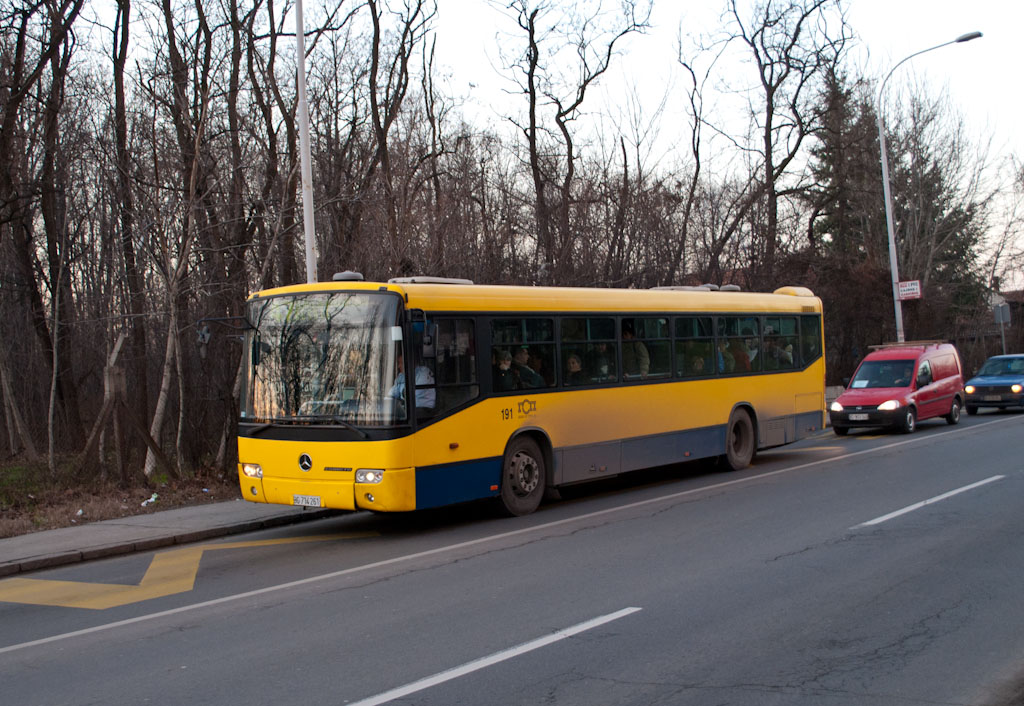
{"points": [[898, 384]]}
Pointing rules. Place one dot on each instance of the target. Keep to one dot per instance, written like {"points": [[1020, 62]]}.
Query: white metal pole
{"points": [[304, 157], [893, 265]]}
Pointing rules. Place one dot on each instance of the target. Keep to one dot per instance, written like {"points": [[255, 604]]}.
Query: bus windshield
{"points": [[324, 358]]}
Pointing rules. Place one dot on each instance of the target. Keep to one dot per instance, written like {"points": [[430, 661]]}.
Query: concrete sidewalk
{"points": [[40, 550]]}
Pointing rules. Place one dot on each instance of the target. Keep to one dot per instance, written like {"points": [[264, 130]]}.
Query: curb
{"points": [[131, 546]]}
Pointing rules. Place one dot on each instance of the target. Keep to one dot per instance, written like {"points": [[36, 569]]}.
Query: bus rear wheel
{"points": [[740, 443], [522, 477]]}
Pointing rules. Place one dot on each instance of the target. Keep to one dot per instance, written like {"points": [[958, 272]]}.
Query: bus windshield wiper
{"points": [[335, 418]]}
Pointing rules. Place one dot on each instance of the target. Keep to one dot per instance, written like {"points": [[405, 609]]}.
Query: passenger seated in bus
{"points": [[599, 362], [636, 361], [505, 378], [697, 366], [751, 345], [538, 365], [426, 394], [574, 370], [739, 355], [528, 377], [726, 361], [772, 354]]}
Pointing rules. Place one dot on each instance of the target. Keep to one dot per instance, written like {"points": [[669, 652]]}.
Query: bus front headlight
{"points": [[253, 470], [889, 405], [369, 475]]}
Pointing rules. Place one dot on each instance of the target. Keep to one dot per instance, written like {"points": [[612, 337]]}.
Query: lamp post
{"points": [[893, 267], [304, 153]]}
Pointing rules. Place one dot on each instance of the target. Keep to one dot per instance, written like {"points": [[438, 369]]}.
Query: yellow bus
{"points": [[511, 391]]}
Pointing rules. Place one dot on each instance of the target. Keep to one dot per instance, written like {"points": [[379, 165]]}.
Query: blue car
{"points": [[999, 383]]}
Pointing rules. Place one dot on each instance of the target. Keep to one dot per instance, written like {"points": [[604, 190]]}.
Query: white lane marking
{"points": [[929, 501], [481, 540], [495, 658]]}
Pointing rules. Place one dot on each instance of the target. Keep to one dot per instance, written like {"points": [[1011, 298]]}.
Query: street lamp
{"points": [[306, 170], [894, 268]]}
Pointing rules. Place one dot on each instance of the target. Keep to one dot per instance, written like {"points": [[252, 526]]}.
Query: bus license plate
{"points": [[306, 500], [858, 417]]}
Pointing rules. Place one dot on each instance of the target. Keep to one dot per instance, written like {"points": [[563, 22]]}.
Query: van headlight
{"points": [[836, 407], [369, 475], [969, 389], [253, 470], [889, 405]]}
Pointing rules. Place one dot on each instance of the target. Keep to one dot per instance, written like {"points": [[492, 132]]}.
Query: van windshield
{"points": [[883, 373]]}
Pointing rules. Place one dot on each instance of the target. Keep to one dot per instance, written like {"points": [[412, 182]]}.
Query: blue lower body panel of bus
{"points": [[457, 482]]}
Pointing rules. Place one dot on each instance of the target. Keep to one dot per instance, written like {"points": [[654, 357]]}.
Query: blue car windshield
{"points": [[1003, 366], [883, 373]]}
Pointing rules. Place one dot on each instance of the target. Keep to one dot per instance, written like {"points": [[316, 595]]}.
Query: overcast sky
{"points": [[981, 76]]}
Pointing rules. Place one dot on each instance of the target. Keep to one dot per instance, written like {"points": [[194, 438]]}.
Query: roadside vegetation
{"points": [[32, 500]]}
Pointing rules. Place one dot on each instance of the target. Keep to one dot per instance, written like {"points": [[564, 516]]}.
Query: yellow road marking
{"points": [[169, 573]]}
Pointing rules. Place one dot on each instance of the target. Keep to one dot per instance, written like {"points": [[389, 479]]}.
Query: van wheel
{"points": [[954, 412], [909, 421], [740, 443], [522, 477], [971, 409], [841, 431]]}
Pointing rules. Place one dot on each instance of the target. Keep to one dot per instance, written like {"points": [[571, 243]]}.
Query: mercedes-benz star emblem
{"points": [[305, 462]]}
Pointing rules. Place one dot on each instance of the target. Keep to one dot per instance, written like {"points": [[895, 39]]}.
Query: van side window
{"points": [[924, 373]]}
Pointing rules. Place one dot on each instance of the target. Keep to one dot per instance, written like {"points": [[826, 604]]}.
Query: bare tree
{"points": [[551, 38], [791, 43]]}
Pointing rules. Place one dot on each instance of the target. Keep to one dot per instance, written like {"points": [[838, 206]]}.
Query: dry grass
{"points": [[30, 501]]}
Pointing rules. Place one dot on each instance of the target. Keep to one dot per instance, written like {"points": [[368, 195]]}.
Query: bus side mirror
{"points": [[258, 349], [429, 349]]}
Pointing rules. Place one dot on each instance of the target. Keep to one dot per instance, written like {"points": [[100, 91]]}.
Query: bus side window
{"points": [[522, 353], [593, 340], [455, 377], [694, 348], [810, 339], [779, 336]]}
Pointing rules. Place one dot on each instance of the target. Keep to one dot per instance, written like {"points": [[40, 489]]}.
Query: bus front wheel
{"points": [[739, 440], [522, 478]]}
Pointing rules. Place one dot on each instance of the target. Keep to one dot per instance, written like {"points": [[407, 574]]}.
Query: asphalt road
{"points": [[872, 569]]}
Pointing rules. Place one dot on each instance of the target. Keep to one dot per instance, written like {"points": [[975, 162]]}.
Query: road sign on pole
{"points": [[1002, 312], [910, 290]]}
